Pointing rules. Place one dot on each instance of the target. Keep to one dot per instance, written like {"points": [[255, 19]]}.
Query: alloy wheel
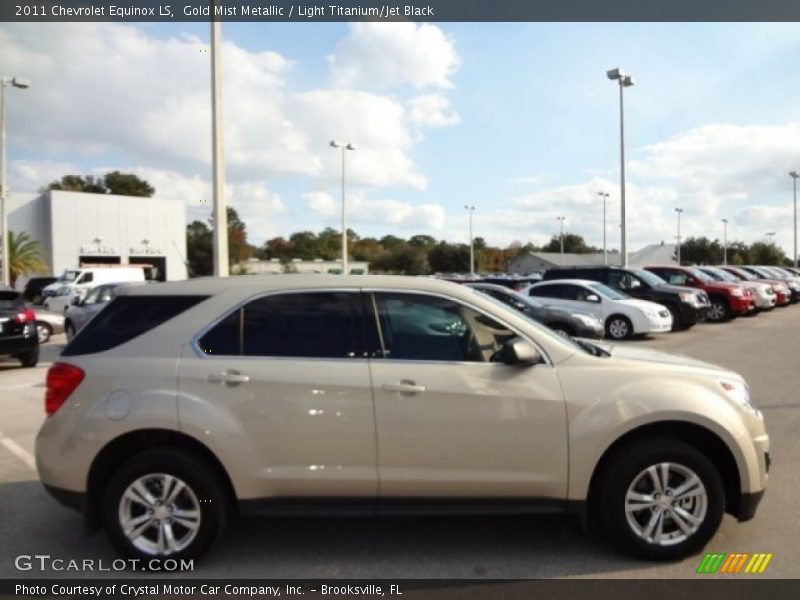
{"points": [[159, 514], [618, 329], [666, 504]]}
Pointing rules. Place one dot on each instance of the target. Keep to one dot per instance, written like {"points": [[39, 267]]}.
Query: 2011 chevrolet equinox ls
{"points": [[182, 403]]}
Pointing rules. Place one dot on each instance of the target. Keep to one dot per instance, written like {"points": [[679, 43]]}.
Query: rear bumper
{"points": [[10, 346]]}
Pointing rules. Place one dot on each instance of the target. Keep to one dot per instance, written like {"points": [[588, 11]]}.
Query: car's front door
{"points": [[285, 380], [453, 421]]}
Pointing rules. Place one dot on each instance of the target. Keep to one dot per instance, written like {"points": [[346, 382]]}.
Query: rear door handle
{"points": [[405, 387], [229, 377]]}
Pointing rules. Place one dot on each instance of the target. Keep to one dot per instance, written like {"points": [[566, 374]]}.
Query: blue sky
{"points": [[516, 119]]}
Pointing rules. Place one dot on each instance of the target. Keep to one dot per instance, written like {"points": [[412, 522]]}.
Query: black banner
{"points": [[730, 588], [401, 10]]}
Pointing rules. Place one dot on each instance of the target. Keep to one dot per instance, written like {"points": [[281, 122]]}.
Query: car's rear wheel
{"points": [[164, 503], [619, 327], [44, 331], [661, 499], [30, 359], [562, 330]]}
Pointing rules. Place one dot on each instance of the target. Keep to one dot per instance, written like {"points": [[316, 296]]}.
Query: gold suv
{"points": [[181, 404]]}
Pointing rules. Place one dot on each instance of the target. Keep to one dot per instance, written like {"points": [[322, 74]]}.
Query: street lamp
{"points": [[771, 236], [22, 84], [679, 211], [220, 214], [345, 147], [561, 237], [470, 210], [624, 81], [605, 253], [794, 175], [725, 242]]}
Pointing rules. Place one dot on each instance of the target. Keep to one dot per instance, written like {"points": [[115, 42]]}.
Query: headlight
{"points": [[650, 313], [687, 297], [739, 393], [737, 292], [61, 292]]}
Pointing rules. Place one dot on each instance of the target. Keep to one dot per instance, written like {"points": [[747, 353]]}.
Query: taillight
{"points": [[62, 379], [25, 316]]}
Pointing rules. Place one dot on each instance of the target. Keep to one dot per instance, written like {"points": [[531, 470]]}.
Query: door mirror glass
{"points": [[517, 351]]}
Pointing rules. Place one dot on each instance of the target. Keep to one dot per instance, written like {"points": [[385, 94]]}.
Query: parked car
{"points": [[789, 282], [83, 309], [763, 293], [622, 316], [561, 320], [728, 300], [182, 400], [48, 324], [18, 337], [686, 305], [76, 283], [34, 287], [783, 294]]}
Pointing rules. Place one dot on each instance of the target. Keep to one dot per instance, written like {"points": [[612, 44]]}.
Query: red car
{"points": [[728, 300], [783, 294]]}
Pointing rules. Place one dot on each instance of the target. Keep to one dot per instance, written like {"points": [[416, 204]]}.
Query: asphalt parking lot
{"points": [[763, 348]]}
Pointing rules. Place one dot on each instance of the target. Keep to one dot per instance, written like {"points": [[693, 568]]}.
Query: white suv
{"points": [[181, 403]]}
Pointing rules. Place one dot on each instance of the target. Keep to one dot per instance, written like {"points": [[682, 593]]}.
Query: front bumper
{"points": [[692, 313], [740, 304]]}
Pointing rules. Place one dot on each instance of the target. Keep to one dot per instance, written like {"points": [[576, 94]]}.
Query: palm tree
{"points": [[25, 256]]}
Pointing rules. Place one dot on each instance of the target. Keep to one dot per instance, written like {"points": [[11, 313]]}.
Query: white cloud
{"points": [[366, 211], [432, 110], [382, 55]]}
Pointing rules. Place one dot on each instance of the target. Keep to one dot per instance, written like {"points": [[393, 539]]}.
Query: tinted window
{"points": [[93, 296], [418, 327], [11, 301], [550, 291], [125, 318], [307, 325]]}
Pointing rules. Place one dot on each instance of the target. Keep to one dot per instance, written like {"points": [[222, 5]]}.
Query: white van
{"points": [[76, 282]]}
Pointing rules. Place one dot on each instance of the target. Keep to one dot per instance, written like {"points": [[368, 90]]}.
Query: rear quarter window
{"points": [[126, 318]]}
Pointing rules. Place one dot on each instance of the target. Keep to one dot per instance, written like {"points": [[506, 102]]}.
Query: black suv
{"points": [[687, 305], [18, 337], [34, 287]]}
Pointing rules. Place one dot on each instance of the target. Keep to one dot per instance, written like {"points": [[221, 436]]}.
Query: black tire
{"points": [[562, 329], [619, 327], [626, 466], [720, 310], [206, 492], [677, 322], [44, 331], [29, 360], [69, 330]]}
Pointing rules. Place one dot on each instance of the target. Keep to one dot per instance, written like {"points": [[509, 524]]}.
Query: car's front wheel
{"points": [[164, 503], [661, 499], [720, 311]]}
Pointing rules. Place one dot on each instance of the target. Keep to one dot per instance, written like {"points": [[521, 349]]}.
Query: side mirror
{"points": [[517, 351], [76, 301], [593, 298]]}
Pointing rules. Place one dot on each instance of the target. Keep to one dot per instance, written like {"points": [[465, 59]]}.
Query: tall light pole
{"points": [[220, 217], [470, 210], [345, 146], [20, 83], [678, 237], [794, 175], [605, 252], [771, 236], [561, 238], [624, 81], [725, 242]]}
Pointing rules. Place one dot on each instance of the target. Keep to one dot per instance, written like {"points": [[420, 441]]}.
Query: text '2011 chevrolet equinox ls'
{"points": [[184, 403]]}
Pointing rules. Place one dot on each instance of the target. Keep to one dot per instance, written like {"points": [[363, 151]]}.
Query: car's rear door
{"points": [[453, 421], [281, 387]]}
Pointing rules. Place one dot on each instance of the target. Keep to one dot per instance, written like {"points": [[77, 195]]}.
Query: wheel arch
{"points": [[701, 438], [122, 448]]}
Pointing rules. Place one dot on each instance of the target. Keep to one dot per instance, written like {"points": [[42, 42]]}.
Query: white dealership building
{"points": [[76, 228]]}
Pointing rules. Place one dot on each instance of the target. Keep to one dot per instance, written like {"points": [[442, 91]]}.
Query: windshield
{"points": [[766, 274], [720, 274], [747, 276], [543, 329], [649, 278], [69, 276], [704, 277], [606, 291]]}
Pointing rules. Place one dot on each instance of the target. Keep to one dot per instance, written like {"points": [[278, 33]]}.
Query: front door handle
{"points": [[406, 387], [228, 377]]}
